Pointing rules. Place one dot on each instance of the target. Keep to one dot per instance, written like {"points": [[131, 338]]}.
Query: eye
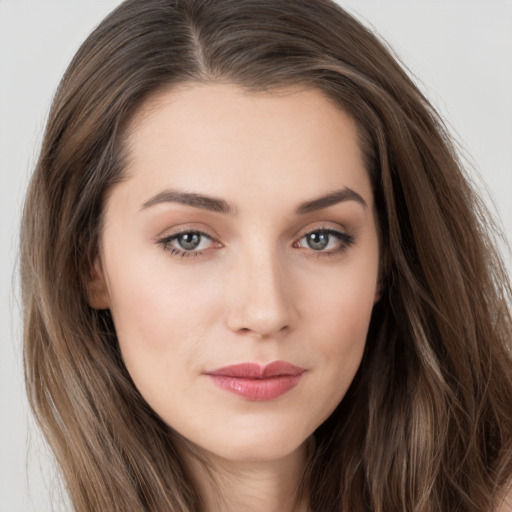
{"points": [[190, 241], [325, 240], [187, 243]]}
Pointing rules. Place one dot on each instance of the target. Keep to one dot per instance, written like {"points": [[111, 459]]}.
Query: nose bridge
{"points": [[260, 302]]}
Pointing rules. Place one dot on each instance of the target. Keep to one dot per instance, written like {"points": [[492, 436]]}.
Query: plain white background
{"points": [[460, 51]]}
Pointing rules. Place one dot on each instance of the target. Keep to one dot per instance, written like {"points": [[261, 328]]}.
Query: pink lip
{"points": [[256, 382]]}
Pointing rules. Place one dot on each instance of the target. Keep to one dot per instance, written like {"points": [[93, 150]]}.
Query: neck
{"points": [[250, 486]]}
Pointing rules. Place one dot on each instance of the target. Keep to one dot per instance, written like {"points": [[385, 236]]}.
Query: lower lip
{"points": [[257, 389]]}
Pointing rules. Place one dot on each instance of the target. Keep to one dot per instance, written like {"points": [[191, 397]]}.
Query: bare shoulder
{"points": [[506, 504]]}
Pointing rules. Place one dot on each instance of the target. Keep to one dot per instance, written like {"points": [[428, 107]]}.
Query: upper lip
{"points": [[251, 370]]}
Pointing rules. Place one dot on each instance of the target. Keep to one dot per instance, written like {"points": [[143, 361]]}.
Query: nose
{"points": [[261, 297]]}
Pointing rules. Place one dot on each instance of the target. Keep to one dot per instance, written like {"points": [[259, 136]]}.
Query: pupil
{"points": [[318, 241], [189, 241]]}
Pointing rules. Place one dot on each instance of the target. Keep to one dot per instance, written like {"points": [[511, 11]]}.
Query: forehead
{"points": [[225, 140]]}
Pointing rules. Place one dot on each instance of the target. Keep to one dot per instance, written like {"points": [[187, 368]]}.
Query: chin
{"points": [[252, 444]]}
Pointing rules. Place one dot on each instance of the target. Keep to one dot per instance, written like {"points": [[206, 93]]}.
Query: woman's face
{"points": [[239, 259]]}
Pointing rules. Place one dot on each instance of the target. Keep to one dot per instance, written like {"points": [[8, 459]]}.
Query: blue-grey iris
{"points": [[318, 240]]}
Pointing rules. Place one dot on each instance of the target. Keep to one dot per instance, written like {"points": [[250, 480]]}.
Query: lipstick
{"points": [[256, 382]]}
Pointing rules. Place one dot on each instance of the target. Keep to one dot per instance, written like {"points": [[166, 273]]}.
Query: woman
{"points": [[255, 276]]}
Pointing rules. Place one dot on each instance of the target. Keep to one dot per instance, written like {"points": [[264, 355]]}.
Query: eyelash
{"points": [[344, 239], [181, 253]]}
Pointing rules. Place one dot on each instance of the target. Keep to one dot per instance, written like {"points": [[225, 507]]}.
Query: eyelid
{"points": [[312, 227], [346, 239], [166, 240], [186, 227]]}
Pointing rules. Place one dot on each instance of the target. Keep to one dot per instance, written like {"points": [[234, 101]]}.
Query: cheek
{"points": [[339, 318], [334, 335], [345, 318], [343, 306], [342, 339], [161, 317]]}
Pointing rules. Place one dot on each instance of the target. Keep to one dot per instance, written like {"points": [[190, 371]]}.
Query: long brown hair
{"points": [[426, 425]]}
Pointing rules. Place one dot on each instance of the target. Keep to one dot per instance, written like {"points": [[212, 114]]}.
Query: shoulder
{"points": [[506, 504]]}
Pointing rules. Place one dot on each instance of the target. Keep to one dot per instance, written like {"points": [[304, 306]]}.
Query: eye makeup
{"points": [[188, 242], [318, 242], [325, 241]]}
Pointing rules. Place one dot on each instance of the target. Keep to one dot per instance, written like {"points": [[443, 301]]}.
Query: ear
{"points": [[97, 290], [380, 288], [378, 292]]}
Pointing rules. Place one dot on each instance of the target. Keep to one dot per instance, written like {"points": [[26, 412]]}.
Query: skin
{"points": [[255, 289]]}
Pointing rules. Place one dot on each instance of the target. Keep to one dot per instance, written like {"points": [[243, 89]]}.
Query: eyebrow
{"points": [[201, 201], [338, 196], [217, 205]]}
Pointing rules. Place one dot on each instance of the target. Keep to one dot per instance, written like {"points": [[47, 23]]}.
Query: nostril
{"points": [[262, 332]]}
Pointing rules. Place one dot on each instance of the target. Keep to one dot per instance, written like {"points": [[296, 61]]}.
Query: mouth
{"points": [[256, 382]]}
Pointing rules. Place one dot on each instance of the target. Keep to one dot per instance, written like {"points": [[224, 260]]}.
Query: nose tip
{"points": [[261, 303]]}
